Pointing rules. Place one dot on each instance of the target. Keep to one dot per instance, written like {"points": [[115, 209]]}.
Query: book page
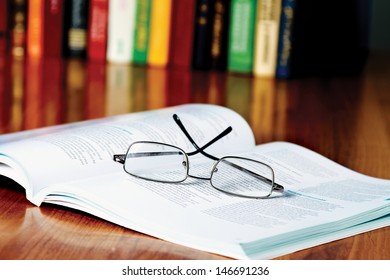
{"points": [[86, 149], [322, 201]]}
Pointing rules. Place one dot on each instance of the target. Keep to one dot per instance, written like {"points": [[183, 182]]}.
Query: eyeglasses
{"points": [[165, 163]]}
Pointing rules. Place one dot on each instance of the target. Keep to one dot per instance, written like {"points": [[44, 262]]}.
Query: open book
{"points": [[72, 165]]}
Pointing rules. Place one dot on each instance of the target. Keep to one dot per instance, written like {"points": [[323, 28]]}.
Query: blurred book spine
{"points": [[313, 45], [160, 29], [121, 21], [219, 39], [3, 27], [183, 16], [266, 37], [52, 28], [203, 34], [34, 28], [18, 27], [97, 30], [44, 28], [141, 31], [285, 39], [241, 38], [76, 28]]}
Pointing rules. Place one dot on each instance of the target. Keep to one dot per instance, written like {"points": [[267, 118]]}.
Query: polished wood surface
{"points": [[346, 119]]}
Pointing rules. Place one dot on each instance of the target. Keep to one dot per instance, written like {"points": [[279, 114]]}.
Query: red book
{"points": [[52, 29], [3, 26], [97, 30], [183, 18]]}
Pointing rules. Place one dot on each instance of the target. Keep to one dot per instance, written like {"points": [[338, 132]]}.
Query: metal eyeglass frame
{"points": [[121, 158]]}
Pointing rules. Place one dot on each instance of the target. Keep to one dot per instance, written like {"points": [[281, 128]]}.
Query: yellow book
{"points": [[160, 26]]}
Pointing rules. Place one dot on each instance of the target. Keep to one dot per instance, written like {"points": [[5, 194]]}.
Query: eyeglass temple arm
{"points": [[120, 158], [201, 149]]}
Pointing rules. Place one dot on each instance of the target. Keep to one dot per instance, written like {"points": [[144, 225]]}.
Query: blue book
{"points": [[283, 64]]}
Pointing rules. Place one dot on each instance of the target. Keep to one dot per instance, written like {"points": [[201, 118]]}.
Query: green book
{"points": [[241, 36], [141, 32]]}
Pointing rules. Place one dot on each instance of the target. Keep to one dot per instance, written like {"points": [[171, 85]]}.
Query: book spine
{"points": [[97, 30], [52, 29], [3, 26], [76, 28], [285, 39], [35, 28], [203, 34], [160, 29], [219, 41], [141, 31], [241, 36], [183, 18], [18, 27], [266, 37], [121, 21], [364, 12]]}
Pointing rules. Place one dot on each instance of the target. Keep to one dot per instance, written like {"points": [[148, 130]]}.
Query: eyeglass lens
{"points": [[156, 161], [243, 177]]}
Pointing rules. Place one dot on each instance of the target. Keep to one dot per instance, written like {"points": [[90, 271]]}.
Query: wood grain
{"points": [[346, 119]]}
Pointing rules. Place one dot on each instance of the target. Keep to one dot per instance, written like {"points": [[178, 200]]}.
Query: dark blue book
{"points": [[322, 38], [285, 39]]}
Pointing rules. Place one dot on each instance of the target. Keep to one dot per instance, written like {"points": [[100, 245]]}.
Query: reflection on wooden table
{"points": [[343, 118]]}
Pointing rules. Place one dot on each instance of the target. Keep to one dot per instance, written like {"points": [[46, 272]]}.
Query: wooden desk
{"points": [[345, 119]]}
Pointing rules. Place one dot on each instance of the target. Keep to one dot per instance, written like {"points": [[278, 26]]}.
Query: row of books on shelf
{"points": [[275, 38]]}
